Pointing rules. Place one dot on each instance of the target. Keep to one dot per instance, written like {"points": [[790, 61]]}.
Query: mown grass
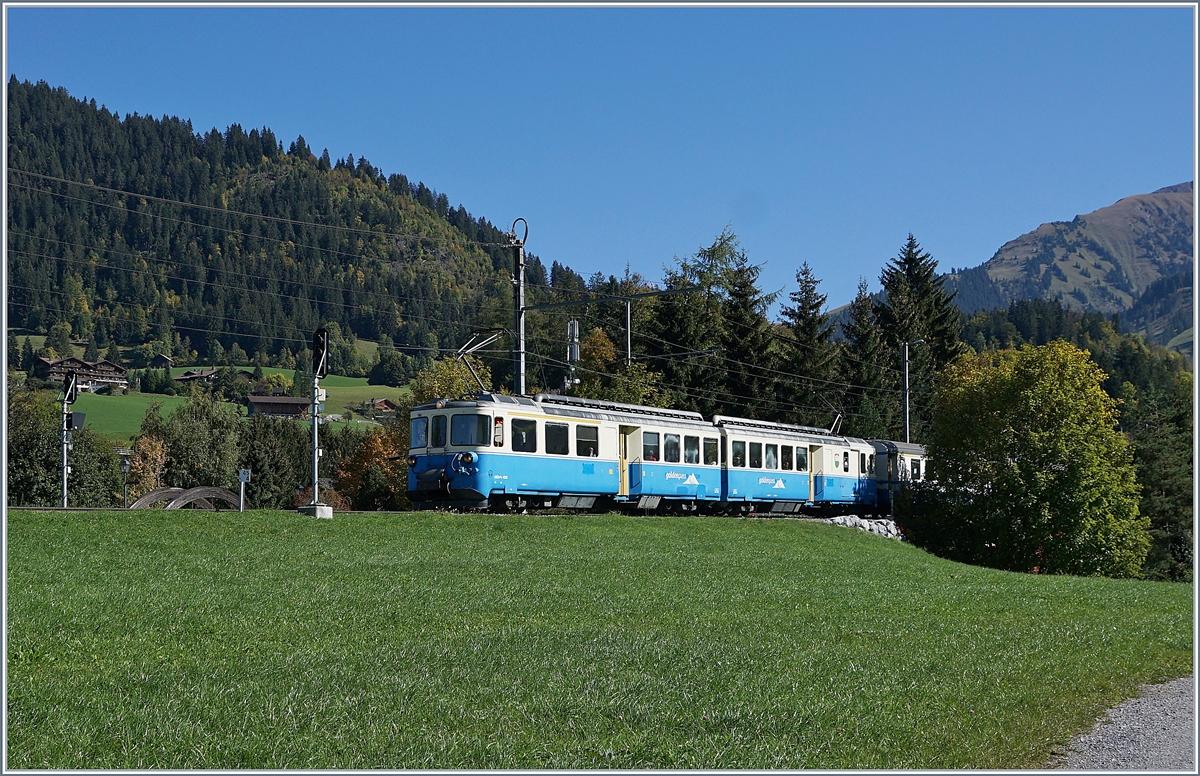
{"points": [[270, 640], [119, 418]]}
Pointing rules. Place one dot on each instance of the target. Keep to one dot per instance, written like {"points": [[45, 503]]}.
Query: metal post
{"points": [[628, 336], [519, 304], [66, 441], [316, 450], [519, 376], [242, 496], [905, 387], [906, 344]]}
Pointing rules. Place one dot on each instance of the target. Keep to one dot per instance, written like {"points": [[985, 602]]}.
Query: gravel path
{"points": [[1154, 732]]}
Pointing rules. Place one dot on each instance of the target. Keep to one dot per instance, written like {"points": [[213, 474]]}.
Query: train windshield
{"points": [[420, 432], [470, 430]]}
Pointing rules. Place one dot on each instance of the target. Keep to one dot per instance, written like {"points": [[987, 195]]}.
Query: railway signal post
{"points": [[70, 393], [320, 369]]}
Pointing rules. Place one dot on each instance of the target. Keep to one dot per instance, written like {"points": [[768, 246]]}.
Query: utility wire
{"points": [[312, 301], [227, 211]]}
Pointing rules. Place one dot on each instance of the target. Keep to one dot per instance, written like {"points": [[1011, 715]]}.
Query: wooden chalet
{"points": [[196, 375], [92, 375], [278, 406], [161, 362]]}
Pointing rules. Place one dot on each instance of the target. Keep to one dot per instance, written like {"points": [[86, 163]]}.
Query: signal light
{"points": [[321, 352]]}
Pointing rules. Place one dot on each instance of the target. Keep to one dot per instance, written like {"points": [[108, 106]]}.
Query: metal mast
{"points": [[519, 304]]}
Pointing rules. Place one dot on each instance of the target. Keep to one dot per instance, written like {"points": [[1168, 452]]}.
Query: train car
{"points": [[785, 468], [896, 465], [511, 453], [516, 452]]}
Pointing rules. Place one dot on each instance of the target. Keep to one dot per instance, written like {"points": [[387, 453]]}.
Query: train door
{"points": [[628, 441], [816, 468]]}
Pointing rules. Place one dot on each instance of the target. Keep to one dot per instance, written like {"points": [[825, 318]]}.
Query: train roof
{"points": [[902, 448], [789, 429], [569, 406]]}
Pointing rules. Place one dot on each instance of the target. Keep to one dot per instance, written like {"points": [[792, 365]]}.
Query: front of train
{"points": [[449, 447]]}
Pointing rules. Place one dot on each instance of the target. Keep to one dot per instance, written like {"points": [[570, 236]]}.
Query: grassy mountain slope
{"points": [[1104, 261]]}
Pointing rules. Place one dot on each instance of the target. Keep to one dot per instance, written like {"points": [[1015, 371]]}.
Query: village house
{"points": [[91, 376]]}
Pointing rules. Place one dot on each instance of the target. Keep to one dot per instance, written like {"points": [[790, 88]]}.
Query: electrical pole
{"points": [[320, 369], [70, 392], [906, 344], [628, 335], [519, 305]]}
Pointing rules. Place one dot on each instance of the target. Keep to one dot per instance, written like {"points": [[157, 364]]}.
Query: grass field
{"points": [[270, 640], [119, 418]]}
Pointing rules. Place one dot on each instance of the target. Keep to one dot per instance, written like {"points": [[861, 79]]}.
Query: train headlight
{"points": [[468, 458], [412, 461]]}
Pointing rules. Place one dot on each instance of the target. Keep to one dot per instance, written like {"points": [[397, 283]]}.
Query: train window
{"points": [[801, 459], [846, 461], [739, 453], [862, 462], [772, 456], [916, 470], [756, 455], [587, 441], [785, 457], [439, 431], [710, 452], [691, 449], [650, 446], [420, 432], [871, 464], [498, 433], [558, 439], [471, 430], [524, 434], [671, 448]]}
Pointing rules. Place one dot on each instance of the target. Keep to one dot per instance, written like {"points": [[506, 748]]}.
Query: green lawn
{"points": [[120, 417], [270, 640]]}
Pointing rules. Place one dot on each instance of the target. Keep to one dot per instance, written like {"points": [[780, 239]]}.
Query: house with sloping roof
{"points": [[90, 375], [278, 406], [161, 362]]}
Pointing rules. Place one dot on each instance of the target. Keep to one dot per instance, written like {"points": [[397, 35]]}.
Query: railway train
{"points": [[514, 453]]}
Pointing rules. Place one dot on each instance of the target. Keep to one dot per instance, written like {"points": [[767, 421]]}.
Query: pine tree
{"points": [[751, 384], [27, 355], [872, 406], [92, 352], [808, 352], [916, 307], [14, 351]]}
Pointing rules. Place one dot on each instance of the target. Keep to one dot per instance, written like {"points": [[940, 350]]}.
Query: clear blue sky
{"points": [[631, 135]]}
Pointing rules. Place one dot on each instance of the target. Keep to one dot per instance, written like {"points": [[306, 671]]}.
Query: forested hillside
{"points": [[234, 239]]}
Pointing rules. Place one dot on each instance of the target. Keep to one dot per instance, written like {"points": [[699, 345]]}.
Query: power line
{"points": [[227, 211], [315, 302]]}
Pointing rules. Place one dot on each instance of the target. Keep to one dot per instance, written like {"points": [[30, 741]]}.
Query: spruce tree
{"points": [[916, 307], [92, 352], [871, 402], [808, 352], [14, 352], [27, 355]]}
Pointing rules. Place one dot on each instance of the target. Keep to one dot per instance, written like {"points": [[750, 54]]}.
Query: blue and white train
{"points": [[512, 453]]}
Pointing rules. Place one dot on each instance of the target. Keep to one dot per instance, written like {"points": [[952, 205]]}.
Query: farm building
{"points": [[278, 406]]}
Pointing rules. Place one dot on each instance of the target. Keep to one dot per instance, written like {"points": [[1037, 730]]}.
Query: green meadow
{"points": [[194, 639]]}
